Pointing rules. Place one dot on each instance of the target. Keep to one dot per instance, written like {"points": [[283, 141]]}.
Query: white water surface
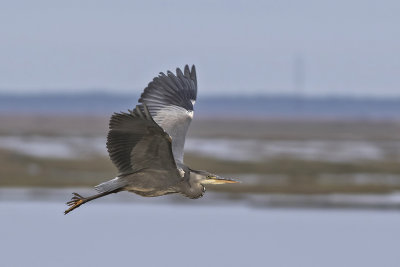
{"points": [[220, 148]]}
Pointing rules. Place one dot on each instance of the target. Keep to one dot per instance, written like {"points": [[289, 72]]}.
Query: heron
{"points": [[146, 144]]}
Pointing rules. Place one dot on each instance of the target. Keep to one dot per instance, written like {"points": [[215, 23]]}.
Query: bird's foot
{"points": [[75, 202]]}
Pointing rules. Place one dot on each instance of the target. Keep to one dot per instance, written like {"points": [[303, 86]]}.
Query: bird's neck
{"points": [[192, 189]]}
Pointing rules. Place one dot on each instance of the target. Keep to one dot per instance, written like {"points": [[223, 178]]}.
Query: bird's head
{"points": [[205, 178]]}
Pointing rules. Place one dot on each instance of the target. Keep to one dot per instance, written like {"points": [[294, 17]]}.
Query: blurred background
{"points": [[300, 100]]}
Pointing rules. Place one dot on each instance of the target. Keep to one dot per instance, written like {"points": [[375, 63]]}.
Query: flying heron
{"points": [[146, 143]]}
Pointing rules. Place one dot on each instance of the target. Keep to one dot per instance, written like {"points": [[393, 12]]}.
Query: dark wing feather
{"points": [[179, 90], [136, 142], [170, 99]]}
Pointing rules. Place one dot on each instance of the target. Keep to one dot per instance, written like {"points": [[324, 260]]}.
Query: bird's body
{"points": [[146, 144]]}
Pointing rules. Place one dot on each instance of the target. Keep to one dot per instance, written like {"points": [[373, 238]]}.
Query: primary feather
{"points": [[170, 99]]}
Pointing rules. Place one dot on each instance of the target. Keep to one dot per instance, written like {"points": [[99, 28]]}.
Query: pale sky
{"points": [[239, 47]]}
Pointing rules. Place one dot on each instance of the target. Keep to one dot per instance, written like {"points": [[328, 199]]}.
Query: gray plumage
{"points": [[170, 99], [147, 143]]}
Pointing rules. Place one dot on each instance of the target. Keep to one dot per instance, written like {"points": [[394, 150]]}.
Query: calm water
{"points": [[153, 234], [224, 106]]}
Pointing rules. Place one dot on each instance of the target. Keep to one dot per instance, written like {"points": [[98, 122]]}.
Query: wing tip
{"points": [[170, 88]]}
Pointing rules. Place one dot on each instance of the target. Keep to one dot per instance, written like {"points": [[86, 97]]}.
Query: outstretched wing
{"points": [[136, 142], [170, 99]]}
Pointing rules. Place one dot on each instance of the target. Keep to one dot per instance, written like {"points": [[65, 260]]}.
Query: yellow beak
{"points": [[219, 180]]}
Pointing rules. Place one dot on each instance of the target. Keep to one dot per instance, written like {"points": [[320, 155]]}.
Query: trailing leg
{"points": [[77, 200]]}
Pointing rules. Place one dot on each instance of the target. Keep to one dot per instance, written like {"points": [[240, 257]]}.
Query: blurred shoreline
{"points": [[269, 128], [308, 162]]}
